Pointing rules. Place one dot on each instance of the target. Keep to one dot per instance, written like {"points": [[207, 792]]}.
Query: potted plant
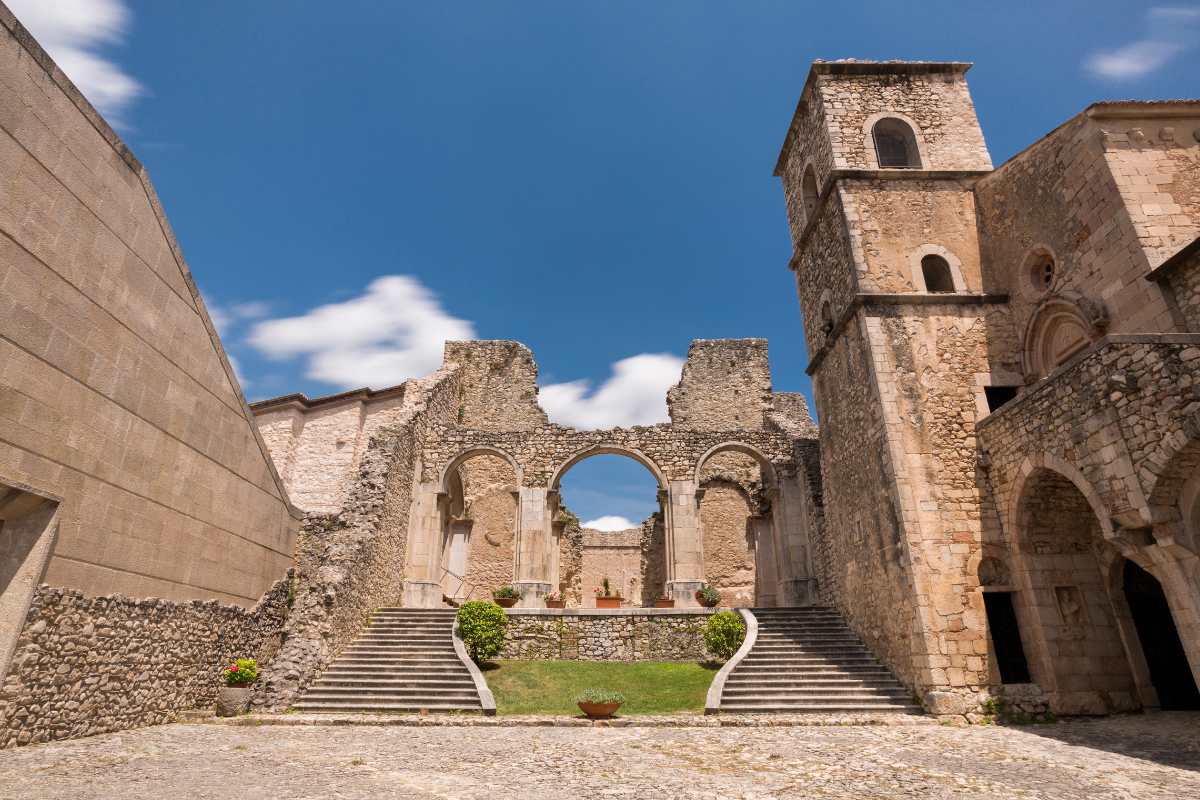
{"points": [[599, 703], [708, 597], [664, 602], [506, 596], [606, 597], [555, 600], [234, 697]]}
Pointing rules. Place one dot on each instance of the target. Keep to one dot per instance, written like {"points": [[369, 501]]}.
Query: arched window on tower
{"points": [[936, 271], [895, 144], [826, 318], [809, 192]]}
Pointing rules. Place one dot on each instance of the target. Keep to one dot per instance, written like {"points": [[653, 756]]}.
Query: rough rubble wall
{"points": [[654, 636], [729, 550], [725, 386], [1060, 194], [896, 223], [790, 415], [353, 562], [939, 104], [88, 665], [498, 387], [825, 271], [488, 485], [1156, 166], [807, 145], [654, 559], [616, 555], [1184, 281], [115, 394], [862, 549], [570, 560]]}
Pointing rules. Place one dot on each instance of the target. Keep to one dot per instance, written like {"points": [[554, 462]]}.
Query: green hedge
{"points": [[481, 626]]}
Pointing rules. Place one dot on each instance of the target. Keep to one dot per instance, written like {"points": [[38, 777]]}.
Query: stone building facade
{"points": [[141, 518], [1004, 364]]}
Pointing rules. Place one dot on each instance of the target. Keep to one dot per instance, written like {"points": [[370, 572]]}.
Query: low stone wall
{"points": [[87, 665], [599, 635]]}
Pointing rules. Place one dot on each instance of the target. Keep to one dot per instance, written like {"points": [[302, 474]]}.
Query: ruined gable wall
{"points": [[498, 387], [114, 392], [1060, 194], [940, 105], [895, 223], [725, 385]]}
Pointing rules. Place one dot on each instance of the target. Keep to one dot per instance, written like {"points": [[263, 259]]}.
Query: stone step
{"points": [[820, 708], [395, 674], [369, 650], [767, 683], [357, 706], [805, 693], [397, 683], [350, 692], [392, 657]]}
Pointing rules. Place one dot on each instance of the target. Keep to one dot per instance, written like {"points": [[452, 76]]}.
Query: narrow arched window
{"points": [[895, 145], [826, 318], [808, 191], [936, 272]]}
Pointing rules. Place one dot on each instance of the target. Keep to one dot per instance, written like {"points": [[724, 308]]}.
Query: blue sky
{"points": [[354, 182]]}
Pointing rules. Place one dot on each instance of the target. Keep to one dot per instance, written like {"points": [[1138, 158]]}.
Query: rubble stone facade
{"points": [[1004, 364]]}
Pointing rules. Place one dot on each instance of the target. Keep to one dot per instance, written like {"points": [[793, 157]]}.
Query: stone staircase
{"points": [[808, 660], [404, 660]]}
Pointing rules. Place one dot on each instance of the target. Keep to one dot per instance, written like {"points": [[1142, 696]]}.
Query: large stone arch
{"points": [[608, 449], [470, 452]]}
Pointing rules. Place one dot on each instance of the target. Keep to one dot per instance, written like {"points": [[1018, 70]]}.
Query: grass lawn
{"points": [[550, 687]]}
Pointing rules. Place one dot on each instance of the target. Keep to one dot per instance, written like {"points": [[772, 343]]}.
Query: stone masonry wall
{"points": [[488, 484], [825, 273], [88, 665], [725, 385], [1184, 281], [599, 636]]}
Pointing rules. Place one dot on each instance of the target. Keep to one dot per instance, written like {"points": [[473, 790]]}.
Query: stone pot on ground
{"points": [[233, 700], [608, 602], [598, 710]]}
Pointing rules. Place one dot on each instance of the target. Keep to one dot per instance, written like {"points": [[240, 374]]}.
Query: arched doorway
{"points": [[1159, 638]]}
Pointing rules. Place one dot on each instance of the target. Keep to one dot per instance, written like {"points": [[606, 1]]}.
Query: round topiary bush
{"points": [[724, 634], [481, 627]]}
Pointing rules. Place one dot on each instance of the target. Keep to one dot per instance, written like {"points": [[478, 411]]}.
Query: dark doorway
{"points": [[1169, 670], [1006, 637]]}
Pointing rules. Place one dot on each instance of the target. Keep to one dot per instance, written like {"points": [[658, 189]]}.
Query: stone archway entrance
{"points": [[1159, 638]]}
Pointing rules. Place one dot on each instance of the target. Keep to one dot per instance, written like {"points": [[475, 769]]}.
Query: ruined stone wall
{"points": [[616, 555], [654, 559], [354, 561], [488, 485], [725, 385], [115, 394], [729, 547], [1060, 197], [1184, 283], [790, 415], [825, 272], [939, 104], [88, 665], [498, 389], [896, 223], [655, 635], [807, 145]]}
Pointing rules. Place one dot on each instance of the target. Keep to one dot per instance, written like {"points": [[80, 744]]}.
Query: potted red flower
{"points": [[234, 697], [708, 597], [506, 596], [606, 597], [555, 600]]}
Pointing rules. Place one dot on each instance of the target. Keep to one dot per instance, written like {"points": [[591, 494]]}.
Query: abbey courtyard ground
{"points": [[1139, 756]]}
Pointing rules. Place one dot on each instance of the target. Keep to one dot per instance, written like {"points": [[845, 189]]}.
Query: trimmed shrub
{"points": [[481, 626], [724, 634]]}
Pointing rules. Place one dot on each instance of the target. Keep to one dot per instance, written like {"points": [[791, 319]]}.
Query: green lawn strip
{"points": [[550, 687]]}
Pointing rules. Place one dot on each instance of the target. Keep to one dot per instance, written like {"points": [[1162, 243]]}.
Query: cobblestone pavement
{"points": [[1142, 757]]}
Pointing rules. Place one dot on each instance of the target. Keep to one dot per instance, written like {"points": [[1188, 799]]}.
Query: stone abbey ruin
{"points": [[1001, 500]]}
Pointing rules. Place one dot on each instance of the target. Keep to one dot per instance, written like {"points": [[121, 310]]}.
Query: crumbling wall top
{"points": [[497, 386], [725, 386]]}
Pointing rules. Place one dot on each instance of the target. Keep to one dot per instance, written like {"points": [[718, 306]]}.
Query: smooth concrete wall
{"points": [[115, 395]]}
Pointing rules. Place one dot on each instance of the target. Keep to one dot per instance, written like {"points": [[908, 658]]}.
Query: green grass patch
{"points": [[550, 687]]}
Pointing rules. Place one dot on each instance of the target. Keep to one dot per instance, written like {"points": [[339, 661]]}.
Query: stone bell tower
{"points": [[878, 169]]}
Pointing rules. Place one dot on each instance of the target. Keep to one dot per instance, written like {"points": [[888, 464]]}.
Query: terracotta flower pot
{"points": [[556, 604], [700, 599], [233, 700], [505, 602], [608, 602], [664, 602], [598, 710]]}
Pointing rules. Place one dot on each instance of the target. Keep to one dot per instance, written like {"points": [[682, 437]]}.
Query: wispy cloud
{"points": [[1170, 31], [609, 522], [73, 33], [227, 317], [635, 394], [393, 331]]}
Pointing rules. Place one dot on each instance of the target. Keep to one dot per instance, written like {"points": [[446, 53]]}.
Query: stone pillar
{"points": [[797, 586], [685, 551], [535, 546], [422, 578], [766, 575]]}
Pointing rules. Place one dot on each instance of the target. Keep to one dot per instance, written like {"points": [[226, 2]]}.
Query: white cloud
{"points": [[72, 32], [1172, 30], [608, 522], [394, 331], [225, 318], [635, 394], [237, 372]]}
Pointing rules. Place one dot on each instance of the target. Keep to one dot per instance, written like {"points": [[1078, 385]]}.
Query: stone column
{"points": [[797, 587], [535, 546], [766, 575], [422, 583], [685, 551]]}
